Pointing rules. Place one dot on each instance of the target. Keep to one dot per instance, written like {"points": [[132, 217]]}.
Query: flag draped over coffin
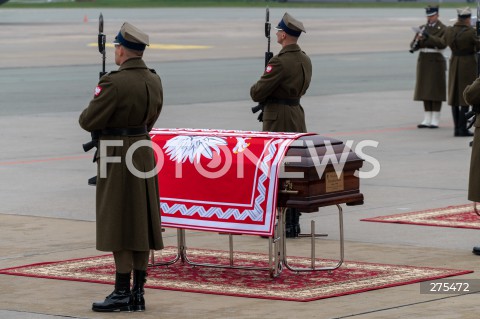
{"points": [[219, 180]]}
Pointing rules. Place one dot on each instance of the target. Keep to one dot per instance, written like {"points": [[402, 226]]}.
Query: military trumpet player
{"points": [[430, 86]]}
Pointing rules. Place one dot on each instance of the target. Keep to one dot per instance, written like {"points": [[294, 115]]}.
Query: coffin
{"points": [[312, 156], [241, 192]]}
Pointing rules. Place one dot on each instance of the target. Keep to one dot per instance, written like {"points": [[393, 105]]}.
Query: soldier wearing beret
{"points": [[125, 106], [472, 96], [284, 81], [431, 67], [463, 41]]}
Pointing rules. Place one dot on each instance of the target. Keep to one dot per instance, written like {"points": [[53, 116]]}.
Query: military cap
{"points": [[131, 37], [464, 12], [290, 25], [431, 10]]}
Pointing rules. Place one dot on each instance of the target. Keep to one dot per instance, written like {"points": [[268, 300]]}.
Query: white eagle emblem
{"points": [[181, 148], [98, 89], [241, 145]]}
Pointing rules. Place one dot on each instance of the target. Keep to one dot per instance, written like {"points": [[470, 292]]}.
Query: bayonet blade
{"points": [[100, 23], [477, 24], [267, 23]]}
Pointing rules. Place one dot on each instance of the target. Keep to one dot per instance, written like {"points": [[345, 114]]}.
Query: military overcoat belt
{"points": [[430, 50], [290, 102], [463, 53]]}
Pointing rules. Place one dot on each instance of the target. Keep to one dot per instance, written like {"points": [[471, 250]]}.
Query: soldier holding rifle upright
{"points": [[463, 41], [125, 106], [430, 85], [285, 80], [472, 97]]}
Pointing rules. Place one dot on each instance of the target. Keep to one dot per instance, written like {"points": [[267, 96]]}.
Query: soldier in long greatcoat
{"points": [[284, 81], [125, 106], [430, 84], [464, 43], [472, 96]]}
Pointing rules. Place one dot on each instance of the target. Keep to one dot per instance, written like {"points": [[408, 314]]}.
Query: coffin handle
{"points": [[288, 188]]}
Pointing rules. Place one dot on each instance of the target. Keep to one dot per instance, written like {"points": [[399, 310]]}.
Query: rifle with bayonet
{"points": [[102, 38], [268, 56]]}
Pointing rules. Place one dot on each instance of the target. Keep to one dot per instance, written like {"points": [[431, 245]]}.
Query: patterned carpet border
{"points": [[461, 216], [351, 278]]}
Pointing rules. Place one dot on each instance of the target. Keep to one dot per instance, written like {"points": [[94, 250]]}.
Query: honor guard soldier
{"points": [[431, 68], [463, 41], [284, 81], [472, 96], [125, 106]]}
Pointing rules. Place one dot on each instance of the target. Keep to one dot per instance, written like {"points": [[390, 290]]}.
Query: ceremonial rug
{"points": [[461, 216], [352, 277]]}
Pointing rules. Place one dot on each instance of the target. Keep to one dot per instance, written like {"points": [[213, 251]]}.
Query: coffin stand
{"points": [[308, 194], [306, 156]]}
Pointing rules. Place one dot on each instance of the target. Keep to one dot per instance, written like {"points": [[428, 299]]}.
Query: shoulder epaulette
{"points": [[153, 71]]}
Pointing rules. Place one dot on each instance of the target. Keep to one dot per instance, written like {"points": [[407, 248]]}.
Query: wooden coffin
{"points": [[312, 191]]}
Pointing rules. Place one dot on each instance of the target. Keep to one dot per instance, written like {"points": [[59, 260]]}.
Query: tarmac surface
{"points": [[362, 90]]}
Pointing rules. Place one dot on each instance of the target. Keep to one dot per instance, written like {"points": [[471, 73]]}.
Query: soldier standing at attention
{"points": [[125, 106], [284, 81], [463, 41], [472, 96], [431, 68]]}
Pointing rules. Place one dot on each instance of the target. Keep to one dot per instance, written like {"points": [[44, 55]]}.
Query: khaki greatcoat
{"points": [[127, 207], [431, 66], [463, 41], [287, 76], [472, 96]]}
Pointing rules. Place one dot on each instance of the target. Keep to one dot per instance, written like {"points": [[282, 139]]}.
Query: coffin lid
{"points": [[322, 145]]}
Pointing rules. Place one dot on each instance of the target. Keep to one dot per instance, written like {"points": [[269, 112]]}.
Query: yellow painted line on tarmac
{"points": [[178, 47], [164, 46]]}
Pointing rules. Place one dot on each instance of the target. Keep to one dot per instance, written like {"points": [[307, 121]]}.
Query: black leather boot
{"points": [[462, 122], [289, 228], [455, 115], [296, 222], [292, 225], [120, 299], [139, 280], [476, 250]]}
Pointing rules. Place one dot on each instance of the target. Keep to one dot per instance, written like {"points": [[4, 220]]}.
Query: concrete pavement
{"points": [[47, 210]]}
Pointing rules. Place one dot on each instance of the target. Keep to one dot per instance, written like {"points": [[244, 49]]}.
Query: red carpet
{"points": [[352, 277], [461, 216]]}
